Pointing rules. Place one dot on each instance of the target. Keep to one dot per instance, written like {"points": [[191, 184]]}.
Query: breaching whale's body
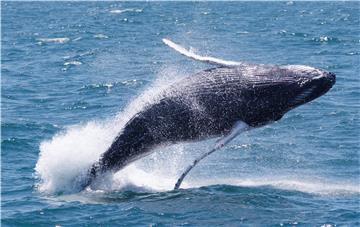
{"points": [[221, 101]]}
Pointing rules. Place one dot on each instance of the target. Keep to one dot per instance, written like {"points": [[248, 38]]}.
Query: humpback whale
{"points": [[221, 101]]}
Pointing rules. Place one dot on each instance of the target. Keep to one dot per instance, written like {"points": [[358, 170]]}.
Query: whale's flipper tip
{"points": [[166, 41]]}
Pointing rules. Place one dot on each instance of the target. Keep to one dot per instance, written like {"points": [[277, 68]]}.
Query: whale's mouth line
{"points": [[304, 95], [318, 77]]}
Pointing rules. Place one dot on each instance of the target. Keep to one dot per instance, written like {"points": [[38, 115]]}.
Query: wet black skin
{"points": [[208, 104]]}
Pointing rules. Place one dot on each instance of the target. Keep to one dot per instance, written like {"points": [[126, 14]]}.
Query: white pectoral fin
{"points": [[210, 60], [238, 128]]}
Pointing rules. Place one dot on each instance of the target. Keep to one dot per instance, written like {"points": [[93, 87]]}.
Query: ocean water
{"points": [[72, 73]]}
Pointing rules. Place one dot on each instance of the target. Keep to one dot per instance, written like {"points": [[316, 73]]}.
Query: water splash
{"points": [[70, 153]]}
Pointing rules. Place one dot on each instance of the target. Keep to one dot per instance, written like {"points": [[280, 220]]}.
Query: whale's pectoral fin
{"points": [[239, 127], [197, 57]]}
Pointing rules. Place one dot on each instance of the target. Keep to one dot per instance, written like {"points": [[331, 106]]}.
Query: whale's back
{"points": [[208, 103]]}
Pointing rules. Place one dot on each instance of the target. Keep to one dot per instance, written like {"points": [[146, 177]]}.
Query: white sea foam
{"points": [[158, 172], [101, 36], [72, 63], [118, 11], [303, 184], [54, 40]]}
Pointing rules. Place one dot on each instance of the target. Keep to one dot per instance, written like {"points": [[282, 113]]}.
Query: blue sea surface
{"points": [[73, 73]]}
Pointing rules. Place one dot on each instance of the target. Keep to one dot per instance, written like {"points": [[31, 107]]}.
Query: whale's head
{"points": [[279, 89], [307, 83]]}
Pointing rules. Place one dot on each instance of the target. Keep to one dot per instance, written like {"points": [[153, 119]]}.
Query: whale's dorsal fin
{"points": [[210, 60]]}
